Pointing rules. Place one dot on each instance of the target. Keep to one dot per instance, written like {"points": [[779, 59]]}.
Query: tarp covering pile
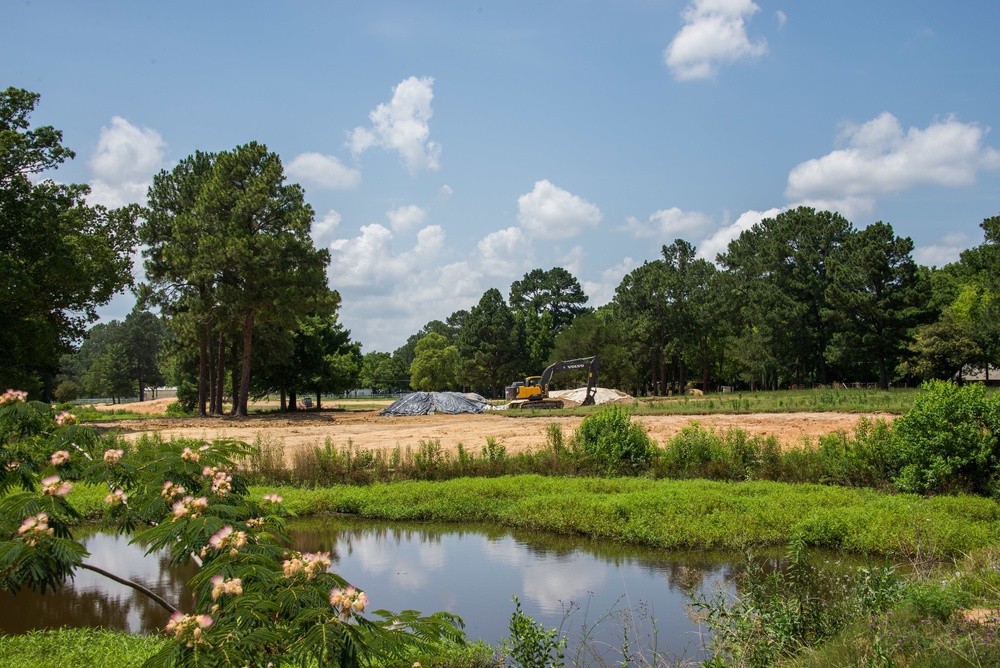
{"points": [[424, 403]]}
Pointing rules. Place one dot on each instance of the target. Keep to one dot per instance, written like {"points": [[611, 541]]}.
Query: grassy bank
{"points": [[670, 514], [77, 648]]}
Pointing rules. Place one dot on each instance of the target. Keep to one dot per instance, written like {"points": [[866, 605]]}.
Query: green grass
{"points": [[782, 401], [76, 648], [678, 514]]}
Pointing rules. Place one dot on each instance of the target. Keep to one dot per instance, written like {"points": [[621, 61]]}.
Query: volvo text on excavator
{"points": [[534, 391]]}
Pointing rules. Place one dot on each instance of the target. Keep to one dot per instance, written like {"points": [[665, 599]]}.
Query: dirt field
{"points": [[366, 429]]}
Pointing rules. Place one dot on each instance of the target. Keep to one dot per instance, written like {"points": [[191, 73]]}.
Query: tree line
{"points": [[800, 299], [244, 308]]}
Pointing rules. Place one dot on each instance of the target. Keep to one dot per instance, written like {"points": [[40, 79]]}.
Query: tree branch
{"points": [[134, 585]]}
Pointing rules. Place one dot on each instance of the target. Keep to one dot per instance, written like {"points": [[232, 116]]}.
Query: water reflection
{"points": [[472, 571], [91, 600]]}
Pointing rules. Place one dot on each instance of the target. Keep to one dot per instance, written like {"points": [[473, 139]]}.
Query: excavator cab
{"points": [[530, 389]]}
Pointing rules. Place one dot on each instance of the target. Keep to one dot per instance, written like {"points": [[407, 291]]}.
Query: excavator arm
{"points": [[592, 364]]}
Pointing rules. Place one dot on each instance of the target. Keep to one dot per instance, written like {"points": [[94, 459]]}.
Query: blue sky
{"points": [[450, 147]]}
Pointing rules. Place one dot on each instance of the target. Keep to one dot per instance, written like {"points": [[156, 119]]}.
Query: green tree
{"points": [[778, 277], [436, 364], [325, 358], [939, 350], [489, 342], [143, 335], [59, 258], [556, 292], [876, 296], [639, 307], [181, 280], [382, 372]]}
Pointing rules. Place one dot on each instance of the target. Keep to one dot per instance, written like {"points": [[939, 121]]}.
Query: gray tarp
{"points": [[423, 403]]}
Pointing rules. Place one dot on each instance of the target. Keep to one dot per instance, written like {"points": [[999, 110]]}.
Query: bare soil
{"points": [[515, 431]]}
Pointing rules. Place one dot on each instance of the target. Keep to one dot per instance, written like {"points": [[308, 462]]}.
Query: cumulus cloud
{"points": [[719, 240], [326, 225], [124, 163], [714, 35], [943, 250], [324, 171], [881, 158], [549, 212], [389, 293], [667, 224], [603, 291], [503, 253], [406, 217], [402, 125], [782, 19]]}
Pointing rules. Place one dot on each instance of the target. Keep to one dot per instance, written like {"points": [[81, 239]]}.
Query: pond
{"points": [[590, 588]]}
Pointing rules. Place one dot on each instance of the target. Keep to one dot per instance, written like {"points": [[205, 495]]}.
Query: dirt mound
{"points": [[151, 407], [602, 396]]}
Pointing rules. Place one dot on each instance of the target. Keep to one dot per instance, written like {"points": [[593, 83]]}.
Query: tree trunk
{"points": [[220, 375], [319, 399], [202, 372], [282, 393], [234, 390], [213, 355], [244, 396], [883, 380], [293, 401]]}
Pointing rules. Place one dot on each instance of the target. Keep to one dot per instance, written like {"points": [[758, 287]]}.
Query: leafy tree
{"points": [[436, 364], [539, 340], [182, 280], [779, 278], [556, 292], [254, 603], [382, 372], [489, 342], [59, 258], [939, 349], [144, 334], [326, 360], [639, 307], [108, 375], [245, 256], [876, 296]]}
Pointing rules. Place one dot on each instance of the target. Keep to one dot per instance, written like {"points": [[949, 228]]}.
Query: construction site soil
{"points": [[516, 431]]}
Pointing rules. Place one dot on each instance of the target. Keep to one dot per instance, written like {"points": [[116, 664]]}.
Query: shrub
{"points": [[177, 409], [67, 391], [949, 440], [610, 442]]}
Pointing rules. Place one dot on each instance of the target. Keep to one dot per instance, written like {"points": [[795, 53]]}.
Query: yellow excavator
{"points": [[534, 391]]}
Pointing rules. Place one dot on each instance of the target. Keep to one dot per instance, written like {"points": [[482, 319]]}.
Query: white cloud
{"points": [[714, 34], [943, 250], [880, 158], [402, 125], [782, 19], [601, 293], [719, 241], [549, 212], [406, 218], [503, 253], [444, 193], [327, 225], [325, 171], [573, 260], [667, 224], [124, 163]]}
